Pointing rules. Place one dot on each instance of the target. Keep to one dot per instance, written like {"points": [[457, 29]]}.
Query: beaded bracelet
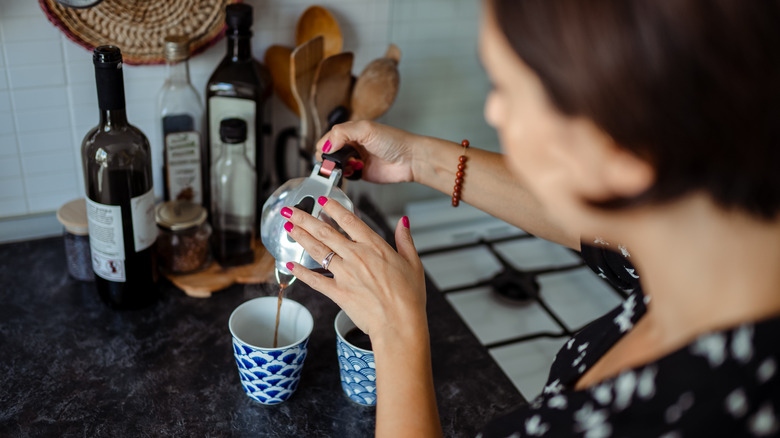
{"points": [[460, 174]]}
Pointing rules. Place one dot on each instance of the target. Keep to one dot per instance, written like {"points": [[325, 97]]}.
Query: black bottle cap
{"points": [[232, 131], [107, 56], [238, 16]]}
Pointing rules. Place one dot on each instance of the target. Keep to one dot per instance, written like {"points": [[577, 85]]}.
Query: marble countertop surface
{"points": [[70, 366]]}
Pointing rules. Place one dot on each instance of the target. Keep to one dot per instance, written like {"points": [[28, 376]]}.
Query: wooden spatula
{"points": [[305, 60], [277, 58], [332, 84], [376, 87]]}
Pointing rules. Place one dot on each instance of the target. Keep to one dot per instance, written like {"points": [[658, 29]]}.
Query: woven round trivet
{"points": [[139, 27]]}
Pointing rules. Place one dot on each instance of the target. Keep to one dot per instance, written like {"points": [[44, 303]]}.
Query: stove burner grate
{"points": [[517, 285]]}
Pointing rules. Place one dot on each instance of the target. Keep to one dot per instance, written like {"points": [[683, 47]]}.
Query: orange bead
{"points": [[456, 189], [459, 174], [455, 202], [464, 143], [458, 181], [461, 166], [462, 158]]}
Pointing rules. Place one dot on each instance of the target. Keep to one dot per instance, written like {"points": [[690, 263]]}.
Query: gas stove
{"points": [[521, 296]]}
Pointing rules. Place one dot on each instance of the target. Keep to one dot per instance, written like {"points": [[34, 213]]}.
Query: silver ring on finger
{"points": [[326, 261]]}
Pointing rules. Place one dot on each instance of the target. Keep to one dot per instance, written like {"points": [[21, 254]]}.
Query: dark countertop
{"points": [[71, 366]]}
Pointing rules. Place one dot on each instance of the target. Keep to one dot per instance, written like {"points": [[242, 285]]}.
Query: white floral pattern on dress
{"points": [[676, 411], [763, 422], [736, 403], [553, 387], [557, 402], [624, 320], [592, 422], [766, 370], [712, 346], [742, 344], [625, 385], [535, 427]]}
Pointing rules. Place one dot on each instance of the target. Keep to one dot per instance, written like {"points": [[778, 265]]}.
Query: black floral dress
{"points": [[723, 384]]}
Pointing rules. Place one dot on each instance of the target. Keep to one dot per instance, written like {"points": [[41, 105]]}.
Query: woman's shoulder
{"points": [[723, 383]]}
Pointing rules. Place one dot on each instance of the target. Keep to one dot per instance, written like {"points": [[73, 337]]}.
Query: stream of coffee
{"points": [[282, 286]]}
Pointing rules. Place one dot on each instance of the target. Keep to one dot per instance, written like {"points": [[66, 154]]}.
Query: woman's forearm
{"points": [[488, 185], [406, 404]]}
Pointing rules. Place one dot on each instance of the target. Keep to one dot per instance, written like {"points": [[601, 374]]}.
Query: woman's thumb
{"points": [[403, 240]]}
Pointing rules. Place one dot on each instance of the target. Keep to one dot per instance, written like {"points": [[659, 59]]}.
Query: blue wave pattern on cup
{"points": [[269, 377], [358, 373]]}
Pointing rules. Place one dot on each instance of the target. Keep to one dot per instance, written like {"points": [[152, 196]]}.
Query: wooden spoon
{"points": [[278, 58], [332, 84], [376, 87], [305, 60], [318, 21]]}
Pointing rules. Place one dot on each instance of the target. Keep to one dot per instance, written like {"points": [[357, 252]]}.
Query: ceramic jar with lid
{"points": [[183, 239], [73, 217]]}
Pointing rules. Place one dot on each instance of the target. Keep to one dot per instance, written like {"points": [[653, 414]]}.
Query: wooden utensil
{"points": [[305, 60], [278, 59], [376, 87], [214, 278], [332, 84], [318, 21]]}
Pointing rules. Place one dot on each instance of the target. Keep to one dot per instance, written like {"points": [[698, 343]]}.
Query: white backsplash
{"points": [[48, 99]]}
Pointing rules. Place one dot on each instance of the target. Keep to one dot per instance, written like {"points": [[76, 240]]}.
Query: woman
{"points": [[652, 123]]}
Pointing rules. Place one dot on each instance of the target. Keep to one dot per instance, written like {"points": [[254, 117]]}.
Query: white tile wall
{"points": [[48, 101]]}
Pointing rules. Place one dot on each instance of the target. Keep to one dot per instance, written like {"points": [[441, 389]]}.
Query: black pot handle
{"points": [[280, 153], [341, 158]]}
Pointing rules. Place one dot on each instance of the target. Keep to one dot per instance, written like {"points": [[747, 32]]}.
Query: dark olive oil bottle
{"points": [[240, 87]]}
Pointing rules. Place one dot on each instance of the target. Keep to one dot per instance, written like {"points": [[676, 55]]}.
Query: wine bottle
{"points": [[181, 112], [117, 163], [240, 87], [233, 206]]}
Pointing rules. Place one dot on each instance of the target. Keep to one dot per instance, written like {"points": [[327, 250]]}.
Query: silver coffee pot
{"points": [[302, 193]]}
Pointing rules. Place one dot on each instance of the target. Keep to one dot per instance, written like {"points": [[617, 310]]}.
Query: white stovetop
{"points": [[577, 296]]}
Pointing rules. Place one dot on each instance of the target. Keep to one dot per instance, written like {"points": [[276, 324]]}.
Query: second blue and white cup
{"points": [[357, 369], [270, 375]]}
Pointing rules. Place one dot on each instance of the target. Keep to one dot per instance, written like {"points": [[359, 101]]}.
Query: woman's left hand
{"points": [[382, 291]]}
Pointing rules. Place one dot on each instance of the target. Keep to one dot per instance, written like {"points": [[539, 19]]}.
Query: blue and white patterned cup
{"points": [[270, 375], [356, 365]]}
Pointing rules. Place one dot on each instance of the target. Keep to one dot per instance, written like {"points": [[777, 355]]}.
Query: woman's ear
{"points": [[626, 175], [610, 171]]}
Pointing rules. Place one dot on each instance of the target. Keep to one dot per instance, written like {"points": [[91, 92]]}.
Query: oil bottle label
{"points": [[220, 108], [106, 240], [184, 179]]}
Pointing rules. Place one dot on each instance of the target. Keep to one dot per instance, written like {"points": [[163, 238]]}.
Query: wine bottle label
{"points": [[144, 225], [106, 240], [220, 108], [183, 155]]}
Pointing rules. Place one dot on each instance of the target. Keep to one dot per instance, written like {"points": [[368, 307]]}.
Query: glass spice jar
{"points": [[73, 217], [183, 240]]}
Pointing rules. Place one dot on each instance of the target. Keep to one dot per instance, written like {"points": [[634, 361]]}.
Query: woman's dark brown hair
{"points": [[691, 86]]}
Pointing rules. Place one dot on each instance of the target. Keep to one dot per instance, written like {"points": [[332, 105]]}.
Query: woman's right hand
{"points": [[386, 151]]}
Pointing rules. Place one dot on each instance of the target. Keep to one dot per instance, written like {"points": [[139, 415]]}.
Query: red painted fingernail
{"points": [[290, 265], [288, 226], [322, 200], [405, 221], [287, 212], [357, 165], [326, 147]]}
